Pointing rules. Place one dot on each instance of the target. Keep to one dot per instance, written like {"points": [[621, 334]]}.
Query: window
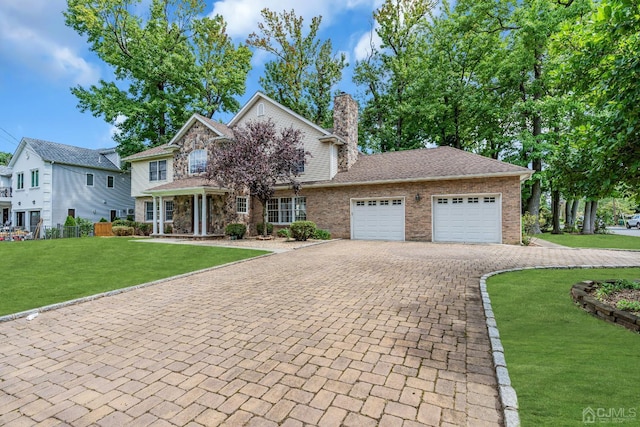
{"points": [[360, 203], [456, 200], [197, 161], [397, 202], [371, 203], [148, 211], [489, 199], [71, 213], [443, 201], [242, 205], [168, 210], [35, 178], [285, 210], [300, 165], [90, 180], [472, 200], [20, 178], [384, 203], [110, 181], [158, 170], [260, 109]]}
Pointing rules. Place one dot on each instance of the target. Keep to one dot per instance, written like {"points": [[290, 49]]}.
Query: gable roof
{"points": [[218, 128], [67, 154], [425, 164], [261, 96]]}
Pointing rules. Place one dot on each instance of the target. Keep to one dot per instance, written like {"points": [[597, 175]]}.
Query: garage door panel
{"points": [[467, 219], [378, 219]]}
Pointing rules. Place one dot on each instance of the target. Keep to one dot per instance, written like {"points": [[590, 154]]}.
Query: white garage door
{"points": [[472, 218], [377, 219]]}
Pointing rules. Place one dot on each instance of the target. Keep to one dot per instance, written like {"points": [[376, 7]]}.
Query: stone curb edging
{"points": [[14, 316], [508, 395]]}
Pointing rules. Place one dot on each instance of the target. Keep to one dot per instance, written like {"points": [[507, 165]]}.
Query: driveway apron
{"points": [[346, 333]]}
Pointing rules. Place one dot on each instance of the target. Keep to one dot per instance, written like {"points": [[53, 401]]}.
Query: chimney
{"points": [[345, 125]]}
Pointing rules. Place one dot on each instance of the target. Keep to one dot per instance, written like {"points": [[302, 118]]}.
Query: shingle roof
{"points": [[70, 155], [425, 164], [185, 183], [160, 150], [220, 127]]}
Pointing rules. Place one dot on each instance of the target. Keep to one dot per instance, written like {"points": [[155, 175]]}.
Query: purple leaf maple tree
{"points": [[257, 159]]}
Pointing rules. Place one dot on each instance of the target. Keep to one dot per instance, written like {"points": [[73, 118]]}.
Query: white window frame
{"points": [[197, 161], [260, 110], [35, 173], [242, 205], [148, 211], [20, 181], [168, 213], [92, 179], [287, 210], [155, 172]]}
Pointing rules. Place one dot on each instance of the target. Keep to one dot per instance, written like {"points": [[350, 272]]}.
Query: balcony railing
{"points": [[5, 191]]}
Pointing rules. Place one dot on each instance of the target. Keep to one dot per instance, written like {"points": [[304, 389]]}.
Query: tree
{"points": [[166, 66], [5, 158], [388, 73], [257, 159], [305, 69]]}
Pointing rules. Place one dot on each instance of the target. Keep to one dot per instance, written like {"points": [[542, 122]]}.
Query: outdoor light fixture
{"points": [[34, 202], [418, 197]]}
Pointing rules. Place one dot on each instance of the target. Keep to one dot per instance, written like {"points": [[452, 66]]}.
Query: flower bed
{"points": [[583, 294]]}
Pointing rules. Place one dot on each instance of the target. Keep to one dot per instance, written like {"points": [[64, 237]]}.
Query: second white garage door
{"points": [[377, 219], [474, 219]]}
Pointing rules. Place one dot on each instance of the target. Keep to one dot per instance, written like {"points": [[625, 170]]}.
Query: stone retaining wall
{"points": [[581, 294]]}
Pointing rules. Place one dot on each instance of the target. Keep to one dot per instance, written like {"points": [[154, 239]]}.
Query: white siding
{"points": [[318, 167], [140, 176]]}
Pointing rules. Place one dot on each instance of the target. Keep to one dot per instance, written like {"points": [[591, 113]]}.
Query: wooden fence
{"points": [[102, 229]]}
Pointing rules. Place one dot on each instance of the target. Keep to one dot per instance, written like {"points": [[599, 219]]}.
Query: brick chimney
{"points": [[345, 125]]}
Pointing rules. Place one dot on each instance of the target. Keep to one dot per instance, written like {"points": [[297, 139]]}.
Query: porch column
{"points": [[204, 215], [155, 215], [196, 220], [161, 217]]}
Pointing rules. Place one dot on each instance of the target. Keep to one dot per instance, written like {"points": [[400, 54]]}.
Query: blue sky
{"points": [[41, 59]]}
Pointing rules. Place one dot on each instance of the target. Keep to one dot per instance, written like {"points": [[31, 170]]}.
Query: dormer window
{"points": [[197, 161], [260, 109]]}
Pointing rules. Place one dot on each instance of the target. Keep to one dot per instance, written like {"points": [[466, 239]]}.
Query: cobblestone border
{"points": [[508, 395], [14, 316]]}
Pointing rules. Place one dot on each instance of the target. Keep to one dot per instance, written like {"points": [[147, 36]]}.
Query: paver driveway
{"points": [[344, 333]]}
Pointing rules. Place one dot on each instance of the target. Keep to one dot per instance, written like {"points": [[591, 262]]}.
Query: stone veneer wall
{"points": [[198, 137], [345, 124], [330, 208]]}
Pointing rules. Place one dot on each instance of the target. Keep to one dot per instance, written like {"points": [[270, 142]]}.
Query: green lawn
{"points": [[604, 241], [562, 360], [43, 272]]}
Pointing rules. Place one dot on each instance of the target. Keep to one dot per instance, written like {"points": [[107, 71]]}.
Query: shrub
{"points": [[284, 232], [86, 227], [123, 222], [103, 219], [52, 233], [260, 228], [70, 222], [122, 230], [142, 228], [235, 230], [168, 229], [302, 230], [321, 234]]}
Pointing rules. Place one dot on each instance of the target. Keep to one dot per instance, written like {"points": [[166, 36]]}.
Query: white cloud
{"points": [[33, 35], [367, 41], [242, 16], [113, 129]]}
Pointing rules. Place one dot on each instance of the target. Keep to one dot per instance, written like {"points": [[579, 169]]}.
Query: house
{"points": [[433, 194], [50, 181], [5, 194]]}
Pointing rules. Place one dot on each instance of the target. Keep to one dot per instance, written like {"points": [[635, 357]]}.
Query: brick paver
{"points": [[344, 333]]}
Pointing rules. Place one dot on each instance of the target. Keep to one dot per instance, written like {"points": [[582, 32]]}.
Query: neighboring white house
{"points": [[50, 181], [5, 194]]}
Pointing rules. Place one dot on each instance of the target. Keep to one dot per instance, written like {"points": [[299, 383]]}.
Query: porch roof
{"points": [[192, 185]]}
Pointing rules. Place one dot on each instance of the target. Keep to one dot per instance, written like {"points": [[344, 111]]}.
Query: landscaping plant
{"points": [[235, 230], [303, 230]]}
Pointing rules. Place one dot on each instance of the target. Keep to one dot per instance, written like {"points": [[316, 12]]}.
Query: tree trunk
{"points": [[586, 221], [568, 219], [533, 205], [555, 209], [574, 212], [264, 217], [594, 216]]}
